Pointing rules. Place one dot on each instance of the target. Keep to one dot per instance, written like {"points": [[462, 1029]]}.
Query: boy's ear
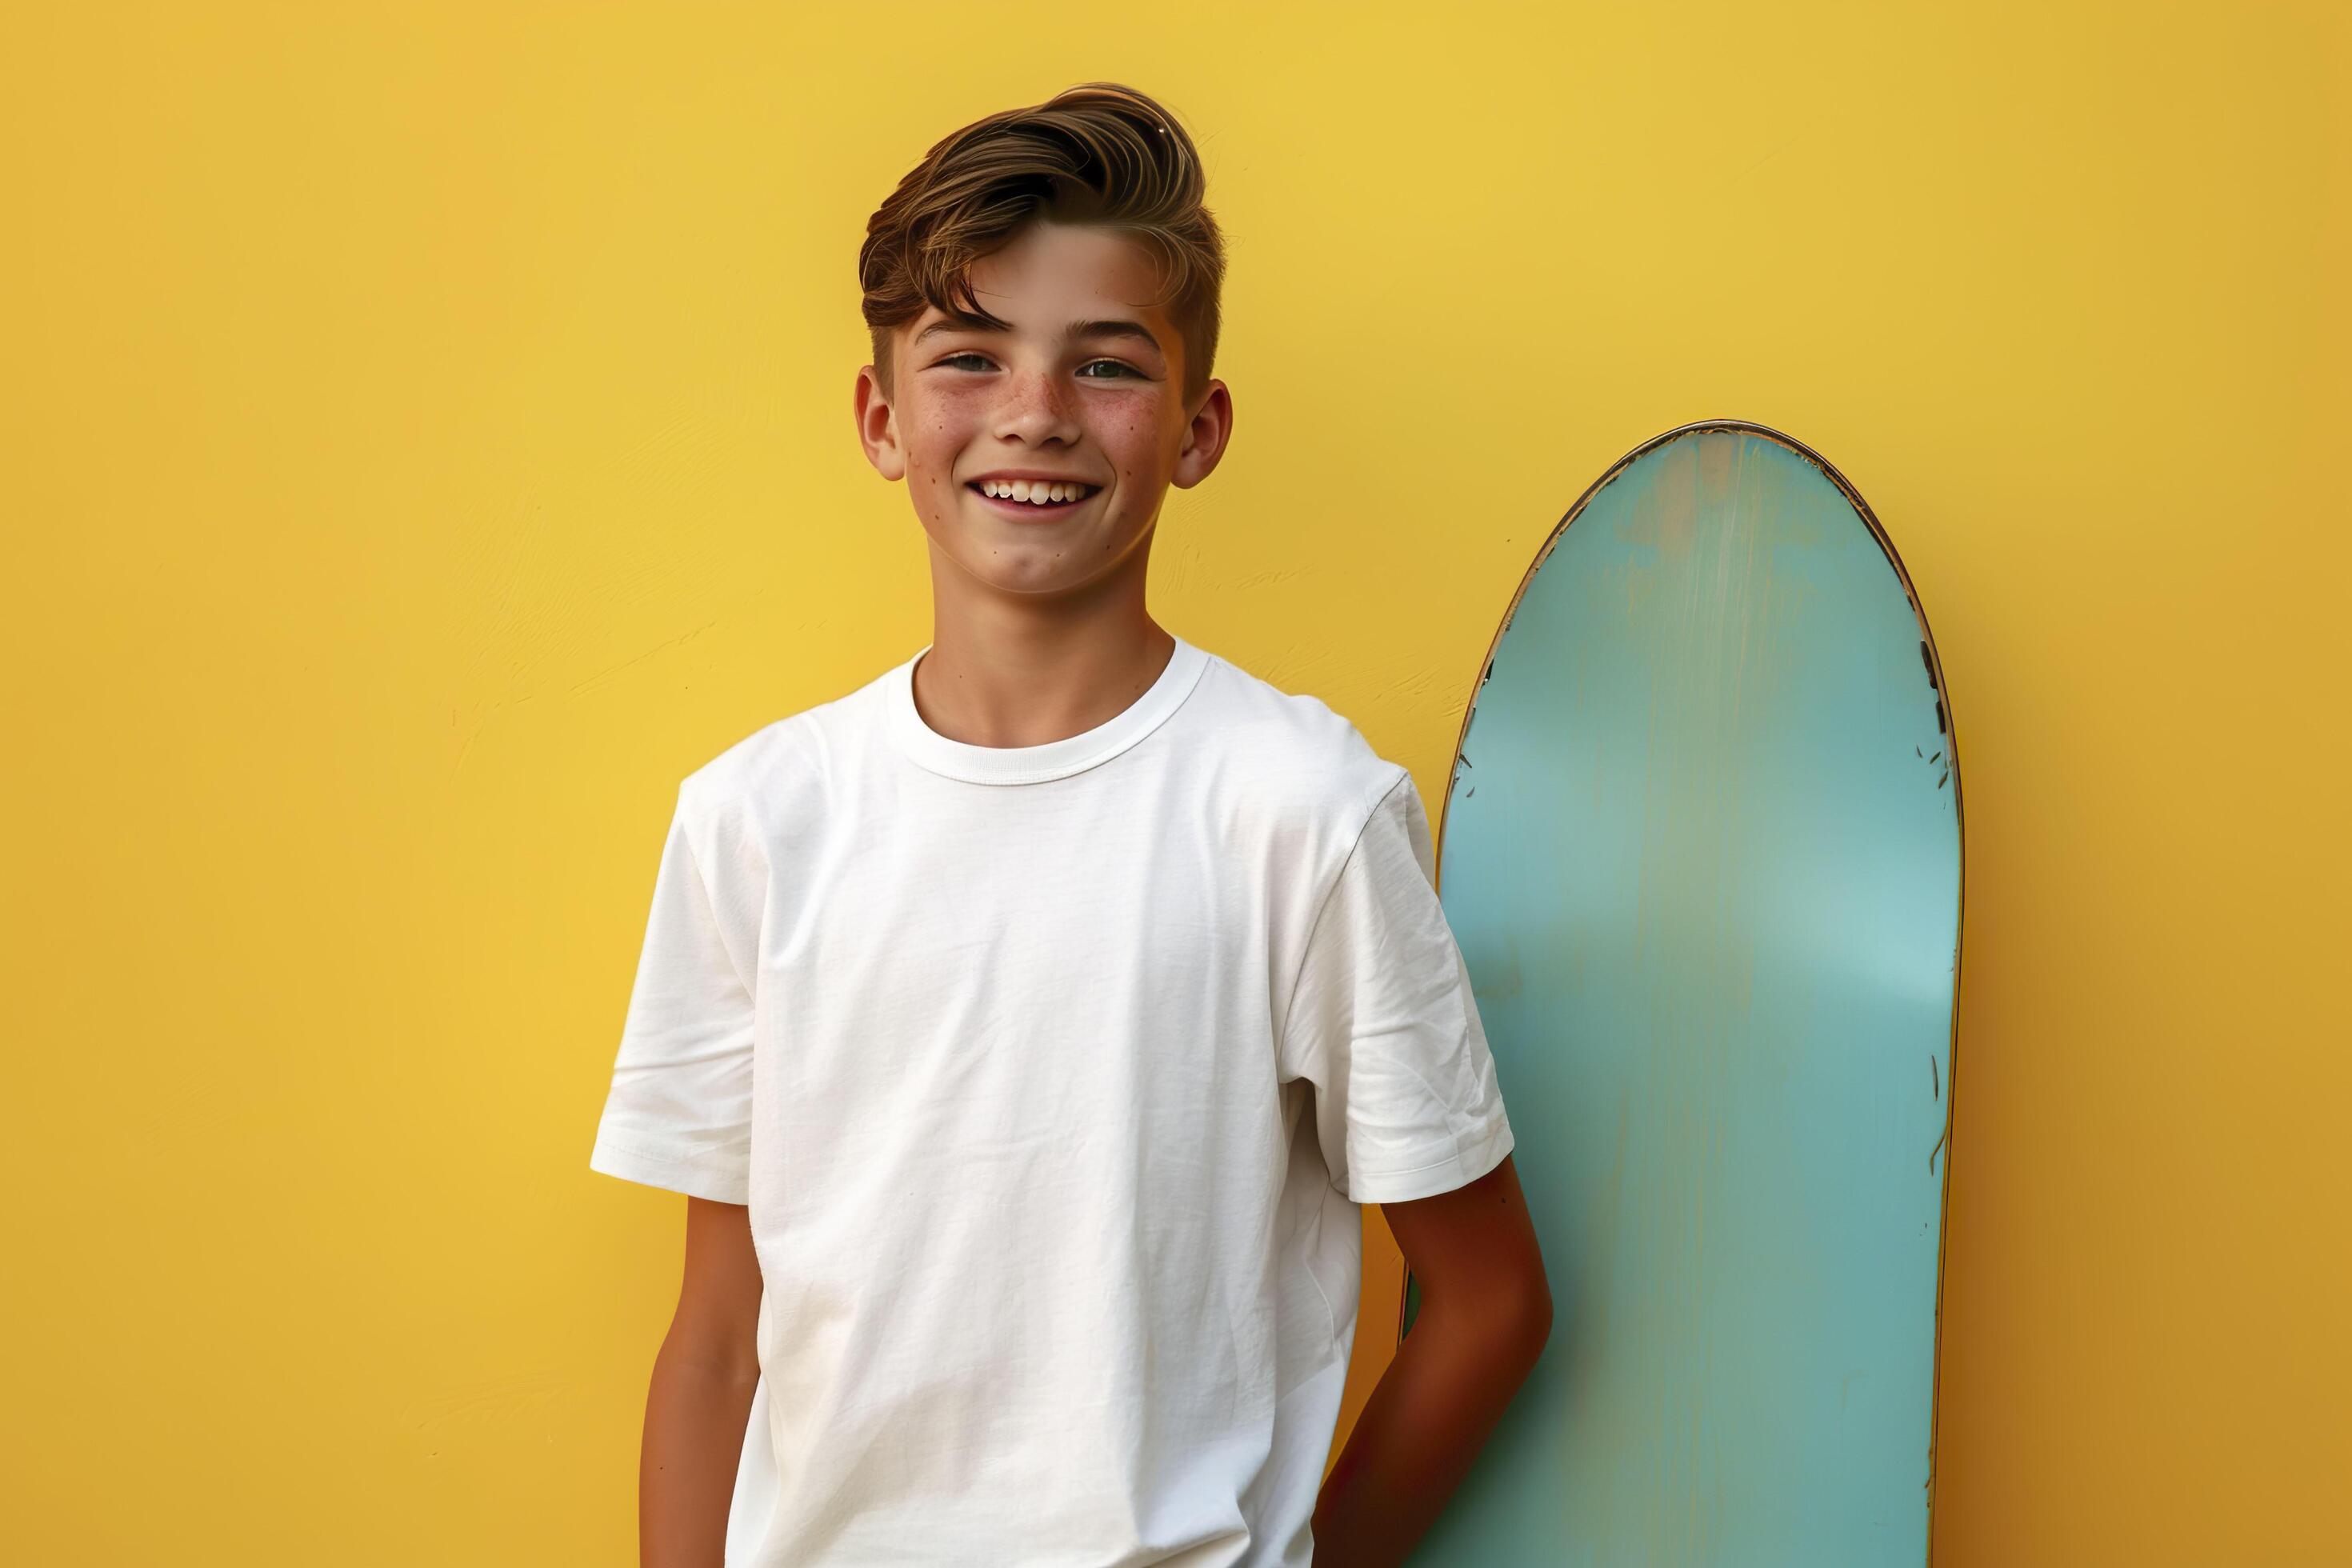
{"points": [[1206, 438], [877, 427]]}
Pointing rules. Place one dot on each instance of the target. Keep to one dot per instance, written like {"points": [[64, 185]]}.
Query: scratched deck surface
{"points": [[1702, 851]]}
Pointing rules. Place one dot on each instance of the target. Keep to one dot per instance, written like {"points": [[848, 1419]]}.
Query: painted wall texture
{"points": [[425, 435]]}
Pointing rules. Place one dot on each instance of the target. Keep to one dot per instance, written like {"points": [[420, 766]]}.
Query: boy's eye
{"points": [[1119, 366]]}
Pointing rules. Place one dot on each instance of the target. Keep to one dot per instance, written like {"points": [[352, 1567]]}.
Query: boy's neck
{"points": [[1026, 684]]}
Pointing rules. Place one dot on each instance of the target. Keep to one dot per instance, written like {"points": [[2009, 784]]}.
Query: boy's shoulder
{"points": [[784, 759], [1292, 747]]}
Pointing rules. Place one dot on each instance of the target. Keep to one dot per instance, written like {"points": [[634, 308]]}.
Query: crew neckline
{"points": [[1054, 759]]}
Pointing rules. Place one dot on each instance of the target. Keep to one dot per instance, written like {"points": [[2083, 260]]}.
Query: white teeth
{"points": [[1035, 492]]}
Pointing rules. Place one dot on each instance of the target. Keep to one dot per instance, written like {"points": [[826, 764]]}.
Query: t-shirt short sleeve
{"points": [[678, 1114], [1382, 1021]]}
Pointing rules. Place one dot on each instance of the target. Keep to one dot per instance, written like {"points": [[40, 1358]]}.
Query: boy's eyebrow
{"points": [[1117, 327]]}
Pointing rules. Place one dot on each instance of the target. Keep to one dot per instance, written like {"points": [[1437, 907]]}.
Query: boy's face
{"points": [[1104, 408]]}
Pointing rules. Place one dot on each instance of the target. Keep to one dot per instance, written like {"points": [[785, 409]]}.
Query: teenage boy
{"points": [[1026, 1026]]}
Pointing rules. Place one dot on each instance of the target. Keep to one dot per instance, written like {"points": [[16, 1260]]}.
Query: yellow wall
{"points": [[428, 436]]}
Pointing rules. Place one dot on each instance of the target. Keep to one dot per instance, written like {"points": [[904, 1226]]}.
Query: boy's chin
{"points": [[1031, 567]]}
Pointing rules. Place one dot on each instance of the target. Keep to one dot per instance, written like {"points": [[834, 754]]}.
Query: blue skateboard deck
{"points": [[1701, 847]]}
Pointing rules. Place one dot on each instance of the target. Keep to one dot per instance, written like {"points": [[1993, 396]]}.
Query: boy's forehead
{"points": [[1054, 279]]}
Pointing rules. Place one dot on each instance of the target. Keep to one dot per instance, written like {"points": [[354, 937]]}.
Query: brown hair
{"points": [[1100, 155]]}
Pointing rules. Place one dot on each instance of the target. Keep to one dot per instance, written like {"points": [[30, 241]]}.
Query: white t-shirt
{"points": [[1052, 1077]]}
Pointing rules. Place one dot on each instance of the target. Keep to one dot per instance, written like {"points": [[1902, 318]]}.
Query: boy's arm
{"points": [[703, 1382], [1485, 1312]]}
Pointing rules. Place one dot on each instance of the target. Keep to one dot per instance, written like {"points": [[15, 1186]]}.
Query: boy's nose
{"points": [[1037, 405]]}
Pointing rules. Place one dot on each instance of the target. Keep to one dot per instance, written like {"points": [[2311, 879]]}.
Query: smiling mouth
{"points": [[1030, 508]]}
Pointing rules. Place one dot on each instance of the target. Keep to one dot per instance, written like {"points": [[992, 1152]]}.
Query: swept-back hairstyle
{"points": [[1099, 154]]}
